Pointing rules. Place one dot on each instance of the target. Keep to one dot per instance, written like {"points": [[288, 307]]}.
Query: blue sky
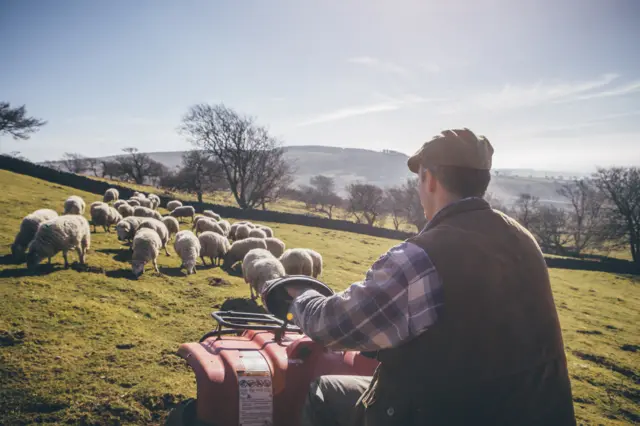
{"points": [[553, 85]]}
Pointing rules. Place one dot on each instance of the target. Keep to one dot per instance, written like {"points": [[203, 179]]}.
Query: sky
{"points": [[554, 85]]}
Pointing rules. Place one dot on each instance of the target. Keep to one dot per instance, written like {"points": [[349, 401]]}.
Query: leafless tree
{"points": [[395, 205], [94, 165], [622, 188], [587, 220], [138, 166], [525, 207], [365, 202], [549, 225], [321, 196], [111, 169], [75, 163], [413, 210], [252, 160], [198, 174], [15, 122]]}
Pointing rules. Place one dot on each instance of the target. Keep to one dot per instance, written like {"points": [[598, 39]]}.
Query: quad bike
{"points": [[256, 369]]}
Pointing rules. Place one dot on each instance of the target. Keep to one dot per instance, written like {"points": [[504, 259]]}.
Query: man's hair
{"points": [[462, 181]]}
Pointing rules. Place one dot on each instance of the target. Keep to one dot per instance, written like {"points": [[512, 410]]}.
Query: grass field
{"points": [[97, 347]]}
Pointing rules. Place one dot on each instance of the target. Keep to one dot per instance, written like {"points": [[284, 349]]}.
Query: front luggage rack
{"points": [[232, 322]]}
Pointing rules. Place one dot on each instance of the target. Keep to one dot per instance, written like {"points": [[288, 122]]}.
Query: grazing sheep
{"points": [[297, 262], [239, 249], [183, 211], [119, 203], [226, 226], [275, 246], [93, 206], [127, 227], [146, 247], [257, 233], [155, 201], [211, 214], [242, 232], [213, 246], [147, 212], [160, 228], [133, 202], [137, 194], [246, 222], [232, 231], [144, 202], [187, 246], [126, 210], [194, 223], [74, 205], [208, 224], [266, 230], [317, 262], [63, 233], [105, 216], [259, 266], [111, 194], [28, 229], [172, 225], [173, 204]]}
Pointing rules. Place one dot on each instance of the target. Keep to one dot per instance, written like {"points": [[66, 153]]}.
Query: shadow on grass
{"points": [[241, 304], [8, 259], [121, 273], [44, 269], [120, 255], [175, 272]]}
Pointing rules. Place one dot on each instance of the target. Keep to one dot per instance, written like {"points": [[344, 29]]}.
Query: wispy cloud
{"points": [[378, 64], [627, 89]]}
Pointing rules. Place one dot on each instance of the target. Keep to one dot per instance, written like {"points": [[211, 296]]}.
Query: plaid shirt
{"points": [[400, 298]]}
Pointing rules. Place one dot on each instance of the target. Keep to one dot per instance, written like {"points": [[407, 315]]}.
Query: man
{"points": [[461, 316]]}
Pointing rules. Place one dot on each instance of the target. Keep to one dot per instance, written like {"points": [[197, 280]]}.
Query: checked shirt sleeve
{"points": [[400, 297]]}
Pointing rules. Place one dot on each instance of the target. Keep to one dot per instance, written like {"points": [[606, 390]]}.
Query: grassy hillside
{"points": [[97, 347]]}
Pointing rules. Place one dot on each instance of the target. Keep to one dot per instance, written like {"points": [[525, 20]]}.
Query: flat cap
{"points": [[454, 147]]}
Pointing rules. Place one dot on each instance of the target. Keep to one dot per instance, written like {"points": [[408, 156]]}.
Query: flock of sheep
{"points": [[137, 221]]}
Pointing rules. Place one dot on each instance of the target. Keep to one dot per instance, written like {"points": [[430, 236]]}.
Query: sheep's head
{"points": [[17, 251], [33, 259], [190, 266], [137, 267]]}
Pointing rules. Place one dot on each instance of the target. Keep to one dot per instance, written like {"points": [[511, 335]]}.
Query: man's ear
{"points": [[432, 182]]}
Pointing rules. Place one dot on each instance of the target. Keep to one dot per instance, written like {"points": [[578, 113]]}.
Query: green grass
{"points": [[95, 347]]}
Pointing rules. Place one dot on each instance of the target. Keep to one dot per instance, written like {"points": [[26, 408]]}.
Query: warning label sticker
{"points": [[255, 391]]}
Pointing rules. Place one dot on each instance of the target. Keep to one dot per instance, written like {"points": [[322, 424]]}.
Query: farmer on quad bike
{"points": [[461, 316]]}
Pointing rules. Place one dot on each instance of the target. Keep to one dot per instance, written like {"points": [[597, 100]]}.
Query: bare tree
{"points": [[525, 207], [138, 166], [94, 165], [198, 174], [111, 169], [14, 121], [75, 163], [252, 160], [587, 221], [413, 210], [622, 188], [495, 202], [321, 196], [365, 202], [549, 226], [395, 205]]}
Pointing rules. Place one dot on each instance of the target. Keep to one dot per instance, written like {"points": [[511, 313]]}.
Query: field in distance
{"points": [[98, 347]]}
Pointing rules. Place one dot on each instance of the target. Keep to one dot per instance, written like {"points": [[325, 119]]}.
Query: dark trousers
{"points": [[331, 400]]}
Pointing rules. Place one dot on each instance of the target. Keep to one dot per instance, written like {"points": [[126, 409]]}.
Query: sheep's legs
{"points": [[203, 262], [66, 262], [166, 251], [211, 259], [155, 265], [80, 252], [253, 297]]}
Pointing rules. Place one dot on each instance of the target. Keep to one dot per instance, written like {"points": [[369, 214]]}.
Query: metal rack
{"points": [[231, 322]]}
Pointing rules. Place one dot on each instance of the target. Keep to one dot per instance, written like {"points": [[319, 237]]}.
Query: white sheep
{"points": [[155, 201], [173, 204], [146, 247], [275, 246], [133, 202], [257, 233], [187, 246], [317, 262], [137, 194], [240, 248], [144, 202], [211, 214], [172, 225], [111, 194], [208, 224], [95, 205], [127, 227], [63, 233], [225, 225], [126, 210], [119, 203], [28, 229], [266, 230], [105, 216], [159, 227], [74, 205], [246, 222], [297, 262], [196, 218], [147, 212], [242, 232], [214, 246], [183, 211], [259, 266]]}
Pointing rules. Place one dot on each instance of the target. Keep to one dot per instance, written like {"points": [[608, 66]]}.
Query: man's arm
{"points": [[400, 297]]}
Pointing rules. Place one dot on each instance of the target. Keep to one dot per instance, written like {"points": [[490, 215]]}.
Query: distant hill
{"points": [[389, 168]]}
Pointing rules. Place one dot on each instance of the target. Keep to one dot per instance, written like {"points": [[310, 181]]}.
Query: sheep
{"points": [[207, 224], [240, 248], [144, 202], [173, 204], [275, 246], [74, 205], [213, 246], [225, 225], [155, 201], [95, 206], [111, 194], [146, 247], [160, 228], [133, 202], [196, 218], [105, 216], [242, 232], [126, 210], [246, 222], [28, 229], [127, 227], [257, 233], [297, 262], [137, 194], [266, 230], [147, 212], [62, 233], [183, 211], [119, 203], [172, 225], [317, 262], [211, 214], [187, 246], [259, 266], [232, 231]]}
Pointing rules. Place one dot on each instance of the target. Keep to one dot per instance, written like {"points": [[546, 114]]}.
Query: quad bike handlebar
{"points": [[278, 301]]}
